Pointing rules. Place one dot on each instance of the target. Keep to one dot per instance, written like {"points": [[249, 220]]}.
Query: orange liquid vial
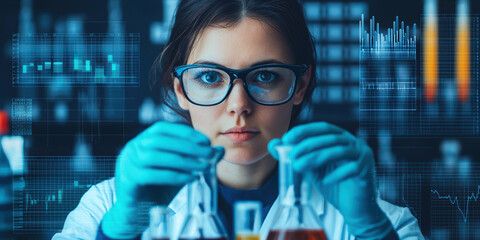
{"points": [[297, 235], [221, 238], [247, 237]]}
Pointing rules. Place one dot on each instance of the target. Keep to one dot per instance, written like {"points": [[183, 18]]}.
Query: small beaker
{"points": [[247, 220]]}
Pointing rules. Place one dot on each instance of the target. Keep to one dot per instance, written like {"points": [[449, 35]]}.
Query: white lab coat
{"points": [[83, 221]]}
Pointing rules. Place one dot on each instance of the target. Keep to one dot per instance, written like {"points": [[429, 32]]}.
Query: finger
{"points": [[298, 133], [150, 176], [167, 160], [177, 130], [185, 147], [325, 156], [318, 142], [343, 172], [271, 147], [220, 153]]}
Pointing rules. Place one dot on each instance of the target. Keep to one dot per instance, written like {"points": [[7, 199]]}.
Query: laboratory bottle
{"points": [[202, 221], [159, 227], [295, 218], [6, 185], [247, 215]]}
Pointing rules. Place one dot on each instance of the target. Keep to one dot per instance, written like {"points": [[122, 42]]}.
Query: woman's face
{"points": [[241, 46]]}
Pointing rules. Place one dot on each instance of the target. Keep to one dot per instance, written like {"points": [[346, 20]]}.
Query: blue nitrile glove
{"points": [[343, 171], [154, 166]]}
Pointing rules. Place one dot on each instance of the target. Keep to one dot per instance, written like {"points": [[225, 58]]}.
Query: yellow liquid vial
{"points": [[248, 237]]}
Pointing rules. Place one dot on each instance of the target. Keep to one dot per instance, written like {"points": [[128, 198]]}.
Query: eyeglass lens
{"points": [[269, 85]]}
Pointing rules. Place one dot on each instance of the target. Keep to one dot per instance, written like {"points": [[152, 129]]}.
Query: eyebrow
{"points": [[268, 61]]}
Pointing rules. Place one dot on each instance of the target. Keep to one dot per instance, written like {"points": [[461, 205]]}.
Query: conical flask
{"points": [[296, 219], [202, 221]]}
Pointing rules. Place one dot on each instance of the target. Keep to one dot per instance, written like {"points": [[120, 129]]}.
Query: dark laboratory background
{"points": [[72, 131]]}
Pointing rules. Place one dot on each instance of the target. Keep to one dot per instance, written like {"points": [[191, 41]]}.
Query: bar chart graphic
{"points": [[388, 82], [425, 84], [76, 59]]}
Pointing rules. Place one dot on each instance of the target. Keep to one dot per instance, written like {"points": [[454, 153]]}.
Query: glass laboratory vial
{"points": [[6, 185], [296, 217], [202, 221], [159, 223], [247, 220]]}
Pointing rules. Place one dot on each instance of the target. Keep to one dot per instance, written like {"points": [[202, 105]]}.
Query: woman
{"points": [[239, 72]]}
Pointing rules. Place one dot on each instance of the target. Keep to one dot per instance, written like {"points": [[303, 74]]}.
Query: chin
{"points": [[241, 157]]}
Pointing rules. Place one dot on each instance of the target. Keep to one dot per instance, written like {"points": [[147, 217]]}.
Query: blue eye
{"points": [[265, 77], [208, 77]]}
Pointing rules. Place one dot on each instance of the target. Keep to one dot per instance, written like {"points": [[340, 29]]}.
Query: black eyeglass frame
{"points": [[299, 71]]}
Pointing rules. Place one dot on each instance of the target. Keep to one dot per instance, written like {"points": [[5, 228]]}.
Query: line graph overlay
{"points": [[455, 201], [451, 196]]}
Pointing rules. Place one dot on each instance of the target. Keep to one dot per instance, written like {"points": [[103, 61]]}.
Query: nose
{"points": [[238, 101]]}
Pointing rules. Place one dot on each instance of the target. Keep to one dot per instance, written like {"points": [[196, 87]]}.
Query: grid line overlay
{"points": [[43, 200]]}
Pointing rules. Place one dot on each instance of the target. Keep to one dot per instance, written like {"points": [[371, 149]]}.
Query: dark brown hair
{"points": [[194, 16]]}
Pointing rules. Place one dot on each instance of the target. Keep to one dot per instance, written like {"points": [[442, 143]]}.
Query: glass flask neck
{"points": [[293, 187], [202, 192], [211, 187], [159, 225], [202, 221]]}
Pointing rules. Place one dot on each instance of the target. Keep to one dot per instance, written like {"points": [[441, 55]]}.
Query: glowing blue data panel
{"points": [[382, 88], [445, 101], [43, 200], [454, 200], [80, 107], [445, 190], [455, 206], [76, 59], [388, 83], [451, 74]]}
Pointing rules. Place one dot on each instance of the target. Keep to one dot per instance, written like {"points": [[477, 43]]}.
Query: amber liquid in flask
{"points": [[301, 234], [296, 219], [202, 221], [247, 237]]}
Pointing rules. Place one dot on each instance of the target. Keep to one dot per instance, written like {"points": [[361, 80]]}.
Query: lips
{"points": [[240, 134]]}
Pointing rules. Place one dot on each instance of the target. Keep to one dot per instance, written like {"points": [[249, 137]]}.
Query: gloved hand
{"points": [[154, 166], [343, 171]]}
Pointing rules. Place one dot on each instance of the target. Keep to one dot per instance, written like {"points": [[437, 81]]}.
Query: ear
{"points": [[182, 100], [302, 85]]}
